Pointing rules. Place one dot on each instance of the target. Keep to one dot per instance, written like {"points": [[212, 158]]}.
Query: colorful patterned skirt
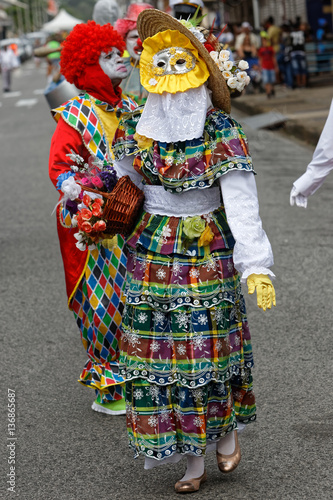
{"points": [[186, 349], [98, 305]]}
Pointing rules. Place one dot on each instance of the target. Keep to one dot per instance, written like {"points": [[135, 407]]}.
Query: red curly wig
{"points": [[84, 45]]}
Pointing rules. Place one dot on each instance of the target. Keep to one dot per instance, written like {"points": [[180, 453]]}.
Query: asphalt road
{"points": [[65, 451]]}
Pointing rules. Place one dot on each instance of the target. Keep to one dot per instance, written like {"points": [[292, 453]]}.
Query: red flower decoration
{"points": [[86, 227], [86, 182], [97, 182], [96, 209], [99, 201], [86, 200], [209, 47], [85, 214], [99, 226]]}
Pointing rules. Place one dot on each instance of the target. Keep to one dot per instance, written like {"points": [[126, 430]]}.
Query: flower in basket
{"points": [[90, 222], [100, 215], [83, 187]]}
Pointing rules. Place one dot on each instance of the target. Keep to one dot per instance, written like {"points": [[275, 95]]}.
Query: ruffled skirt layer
{"points": [[186, 351]]}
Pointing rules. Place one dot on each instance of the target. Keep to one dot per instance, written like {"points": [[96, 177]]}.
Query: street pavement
{"points": [[305, 110], [65, 451]]}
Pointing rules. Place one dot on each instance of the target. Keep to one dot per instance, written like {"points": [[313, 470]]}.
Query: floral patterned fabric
{"points": [[186, 351], [187, 165]]}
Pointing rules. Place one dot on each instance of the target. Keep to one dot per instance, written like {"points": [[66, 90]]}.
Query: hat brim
{"points": [[153, 21]]}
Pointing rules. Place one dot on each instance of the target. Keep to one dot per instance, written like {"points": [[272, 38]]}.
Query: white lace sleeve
{"points": [[125, 167], [321, 163], [252, 252]]}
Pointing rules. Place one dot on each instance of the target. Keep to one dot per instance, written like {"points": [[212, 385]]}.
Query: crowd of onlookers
{"points": [[276, 54]]}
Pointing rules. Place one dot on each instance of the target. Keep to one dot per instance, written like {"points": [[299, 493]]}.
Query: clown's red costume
{"points": [[85, 127]]}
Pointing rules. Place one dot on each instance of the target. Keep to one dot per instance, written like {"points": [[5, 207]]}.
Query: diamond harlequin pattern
{"points": [[98, 307]]}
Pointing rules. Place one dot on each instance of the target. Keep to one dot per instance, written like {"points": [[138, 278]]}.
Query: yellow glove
{"points": [[265, 290], [110, 243]]}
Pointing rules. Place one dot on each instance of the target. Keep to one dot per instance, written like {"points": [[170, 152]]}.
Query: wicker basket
{"points": [[122, 206]]}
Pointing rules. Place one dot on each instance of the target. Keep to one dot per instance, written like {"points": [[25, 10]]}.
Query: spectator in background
{"points": [[268, 64], [183, 9], [284, 58], [323, 62], [106, 11], [53, 59], [8, 61], [246, 44], [297, 54], [227, 37], [127, 28], [273, 33]]}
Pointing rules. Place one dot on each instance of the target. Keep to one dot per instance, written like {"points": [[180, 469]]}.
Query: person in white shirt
{"points": [[318, 169], [246, 43], [8, 62]]}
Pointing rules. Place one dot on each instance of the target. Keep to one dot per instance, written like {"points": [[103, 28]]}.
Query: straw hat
{"points": [[152, 21]]}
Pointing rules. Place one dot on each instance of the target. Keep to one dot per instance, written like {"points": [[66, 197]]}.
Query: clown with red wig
{"points": [[91, 59], [127, 28]]}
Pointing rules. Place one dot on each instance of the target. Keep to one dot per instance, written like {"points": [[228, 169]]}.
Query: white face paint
{"points": [[131, 44], [113, 65]]}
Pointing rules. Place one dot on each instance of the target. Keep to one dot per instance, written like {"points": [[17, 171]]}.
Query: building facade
{"points": [[256, 11]]}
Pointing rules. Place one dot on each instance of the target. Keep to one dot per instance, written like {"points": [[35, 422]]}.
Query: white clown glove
{"points": [[297, 198]]}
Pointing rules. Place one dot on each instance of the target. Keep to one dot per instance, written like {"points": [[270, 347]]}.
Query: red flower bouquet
{"points": [[105, 205]]}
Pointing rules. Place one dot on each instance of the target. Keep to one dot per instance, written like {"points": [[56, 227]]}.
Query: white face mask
{"points": [[113, 65], [131, 44], [174, 61]]}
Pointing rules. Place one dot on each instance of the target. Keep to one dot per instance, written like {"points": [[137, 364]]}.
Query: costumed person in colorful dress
{"points": [[318, 169], [186, 10], [186, 349], [127, 28], [91, 60], [106, 11]]}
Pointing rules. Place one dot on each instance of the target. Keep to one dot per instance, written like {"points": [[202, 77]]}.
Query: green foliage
{"points": [[82, 9]]}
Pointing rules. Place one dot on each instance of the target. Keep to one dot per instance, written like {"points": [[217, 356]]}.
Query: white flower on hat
{"points": [[232, 82], [243, 64], [197, 34], [241, 76], [224, 55], [228, 65], [247, 80], [240, 86], [227, 74], [215, 56], [221, 65]]}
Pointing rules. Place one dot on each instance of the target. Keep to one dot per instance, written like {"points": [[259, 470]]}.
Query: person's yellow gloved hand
{"points": [[265, 290], [110, 243]]}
